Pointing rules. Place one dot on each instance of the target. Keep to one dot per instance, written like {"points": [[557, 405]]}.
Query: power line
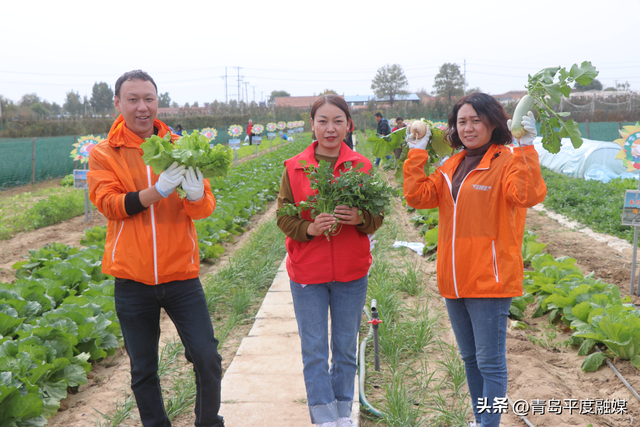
{"points": [[110, 74], [48, 84], [309, 80]]}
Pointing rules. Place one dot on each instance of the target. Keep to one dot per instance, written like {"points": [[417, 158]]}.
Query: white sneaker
{"points": [[327, 424], [473, 424], [346, 422]]}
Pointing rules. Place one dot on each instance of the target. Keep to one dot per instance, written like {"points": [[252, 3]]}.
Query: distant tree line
{"points": [[33, 116]]}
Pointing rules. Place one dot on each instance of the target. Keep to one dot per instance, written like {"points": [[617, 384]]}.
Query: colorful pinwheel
{"points": [[630, 144], [440, 125], [235, 131], [84, 146], [210, 133]]}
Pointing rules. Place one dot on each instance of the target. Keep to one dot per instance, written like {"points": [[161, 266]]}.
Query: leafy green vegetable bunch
{"points": [[190, 150], [545, 89], [351, 187], [383, 145]]}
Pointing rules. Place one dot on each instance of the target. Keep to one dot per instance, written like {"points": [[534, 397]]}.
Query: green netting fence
{"points": [[600, 131], [30, 160]]}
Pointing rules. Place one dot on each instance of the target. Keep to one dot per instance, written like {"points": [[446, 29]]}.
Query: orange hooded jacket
{"points": [[159, 244], [479, 234]]}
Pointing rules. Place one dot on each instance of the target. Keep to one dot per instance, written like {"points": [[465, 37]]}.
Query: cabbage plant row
{"points": [[59, 314], [593, 310]]}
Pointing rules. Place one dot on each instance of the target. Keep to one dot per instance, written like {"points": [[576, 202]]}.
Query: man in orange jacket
{"points": [[152, 251]]}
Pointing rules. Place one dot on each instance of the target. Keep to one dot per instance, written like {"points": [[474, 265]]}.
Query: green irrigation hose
{"points": [[361, 374]]}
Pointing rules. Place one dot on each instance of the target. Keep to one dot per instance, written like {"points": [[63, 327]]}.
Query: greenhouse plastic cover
{"points": [[593, 160]]}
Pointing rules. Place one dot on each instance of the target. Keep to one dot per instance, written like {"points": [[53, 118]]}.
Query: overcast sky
{"points": [[304, 47]]}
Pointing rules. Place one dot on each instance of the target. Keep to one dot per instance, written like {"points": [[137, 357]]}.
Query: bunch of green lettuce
{"points": [[190, 150]]}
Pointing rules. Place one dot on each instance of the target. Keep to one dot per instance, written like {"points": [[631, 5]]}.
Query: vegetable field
{"points": [[421, 382]]}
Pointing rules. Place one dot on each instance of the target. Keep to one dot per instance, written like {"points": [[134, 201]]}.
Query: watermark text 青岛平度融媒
{"points": [[522, 407]]}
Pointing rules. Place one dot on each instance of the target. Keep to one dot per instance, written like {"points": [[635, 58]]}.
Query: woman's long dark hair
{"points": [[490, 111]]}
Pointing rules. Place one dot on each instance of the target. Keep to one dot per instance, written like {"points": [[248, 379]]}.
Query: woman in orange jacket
{"points": [[482, 193]]}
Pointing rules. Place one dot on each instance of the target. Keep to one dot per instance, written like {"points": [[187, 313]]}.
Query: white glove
{"points": [[420, 144], [529, 125], [170, 179], [193, 184]]}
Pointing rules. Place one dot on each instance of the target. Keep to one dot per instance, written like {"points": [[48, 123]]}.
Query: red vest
{"points": [[342, 258]]}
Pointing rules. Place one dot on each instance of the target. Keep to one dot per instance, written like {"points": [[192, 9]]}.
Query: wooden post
{"points": [[75, 162], [588, 129], [33, 162]]}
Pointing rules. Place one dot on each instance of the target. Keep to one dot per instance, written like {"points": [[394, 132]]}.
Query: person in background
{"points": [[250, 131], [152, 251], [348, 139], [327, 275], [179, 130], [399, 125], [383, 129], [483, 193]]}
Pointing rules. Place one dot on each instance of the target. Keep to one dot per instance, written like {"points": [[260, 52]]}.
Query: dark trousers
{"points": [[138, 309]]}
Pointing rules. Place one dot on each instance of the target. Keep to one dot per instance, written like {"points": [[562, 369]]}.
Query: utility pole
{"points": [[239, 93], [464, 85], [254, 93], [226, 95], [246, 91]]}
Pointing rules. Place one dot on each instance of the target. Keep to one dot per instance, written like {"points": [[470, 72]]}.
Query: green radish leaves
{"points": [[584, 73], [349, 186], [548, 86]]}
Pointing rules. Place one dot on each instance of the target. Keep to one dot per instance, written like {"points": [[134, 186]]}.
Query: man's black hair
{"points": [[379, 115], [133, 75]]}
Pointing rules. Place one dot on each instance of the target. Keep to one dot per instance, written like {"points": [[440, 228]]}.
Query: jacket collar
{"points": [[121, 136], [492, 153], [346, 155]]}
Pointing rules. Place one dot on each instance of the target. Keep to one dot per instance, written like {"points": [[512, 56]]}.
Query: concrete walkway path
{"points": [[264, 386]]}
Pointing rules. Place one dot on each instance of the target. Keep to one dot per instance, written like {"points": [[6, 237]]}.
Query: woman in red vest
{"points": [[250, 131], [327, 275]]}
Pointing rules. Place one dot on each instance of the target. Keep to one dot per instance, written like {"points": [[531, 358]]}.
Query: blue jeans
{"points": [[480, 327], [138, 309], [377, 161], [329, 391]]}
